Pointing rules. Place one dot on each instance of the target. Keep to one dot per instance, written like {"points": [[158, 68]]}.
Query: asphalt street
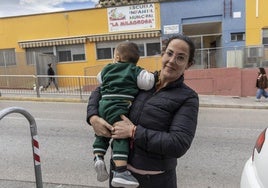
{"points": [[209, 102]]}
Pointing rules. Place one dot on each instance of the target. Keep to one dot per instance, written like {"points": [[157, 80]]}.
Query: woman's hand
{"points": [[101, 127], [123, 129]]}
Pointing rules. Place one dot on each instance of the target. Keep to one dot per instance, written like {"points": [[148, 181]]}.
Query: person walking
{"points": [[51, 78], [162, 121], [261, 84]]}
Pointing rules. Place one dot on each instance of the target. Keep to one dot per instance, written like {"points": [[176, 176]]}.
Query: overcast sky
{"points": [[26, 7]]}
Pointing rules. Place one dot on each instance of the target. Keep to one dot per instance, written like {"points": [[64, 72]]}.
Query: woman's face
{"points": [[174, 60]]}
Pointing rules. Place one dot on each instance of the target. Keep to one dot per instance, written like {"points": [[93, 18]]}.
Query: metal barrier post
{"points": [[80, 88], [35, 144], [36, 80]]}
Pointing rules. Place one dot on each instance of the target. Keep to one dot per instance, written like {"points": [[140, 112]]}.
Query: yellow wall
{"points": [[256, 19], [60, 25], [53, 25]]}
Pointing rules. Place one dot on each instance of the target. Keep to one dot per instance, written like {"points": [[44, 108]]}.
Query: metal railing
{"points": [[238, 56], [32, 85]]}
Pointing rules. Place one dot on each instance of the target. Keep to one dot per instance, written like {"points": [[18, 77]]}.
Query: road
{"points": [[224, 141]]}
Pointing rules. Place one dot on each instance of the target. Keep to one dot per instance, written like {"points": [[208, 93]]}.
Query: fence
{"points": [[22, 63], [24, 78], [239, 56], [69, 86], [206, 58]]}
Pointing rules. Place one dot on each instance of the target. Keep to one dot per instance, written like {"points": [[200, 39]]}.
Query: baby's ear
{"points": [[117, 58]]}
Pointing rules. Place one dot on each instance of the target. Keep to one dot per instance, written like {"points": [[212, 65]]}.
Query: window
{"points": [[237, 37], [68, 53], [265, 37], [104, 53], [153, 49], [141, 49], [7, 57], [79, 57], [64, 53], [64, 56], [32, 52], [147, 47]]}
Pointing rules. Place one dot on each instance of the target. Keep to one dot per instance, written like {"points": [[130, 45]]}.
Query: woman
{"points": [[261, 84], [162, 121]]}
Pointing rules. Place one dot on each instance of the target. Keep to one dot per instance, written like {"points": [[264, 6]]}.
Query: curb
{"points": [[27, 184], [204, 104], [45, 99], [232, 106]]}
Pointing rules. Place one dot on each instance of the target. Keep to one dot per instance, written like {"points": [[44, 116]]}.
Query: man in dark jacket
{"points": [[51, 74]]}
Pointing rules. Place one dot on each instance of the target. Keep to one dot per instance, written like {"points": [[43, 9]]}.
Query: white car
{"points": [[255, 172]]}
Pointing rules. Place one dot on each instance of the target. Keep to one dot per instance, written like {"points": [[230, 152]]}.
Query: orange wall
{"points": [[249, 77], [223, 81]]}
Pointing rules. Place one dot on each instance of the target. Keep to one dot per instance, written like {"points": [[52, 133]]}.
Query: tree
{"points": [[109, 3]]}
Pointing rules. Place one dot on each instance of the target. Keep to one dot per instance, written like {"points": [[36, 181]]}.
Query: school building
{"points": [[81, 42]]}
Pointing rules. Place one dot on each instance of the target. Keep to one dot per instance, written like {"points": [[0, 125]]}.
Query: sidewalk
{"points": [[232, 102], [215, 101]]}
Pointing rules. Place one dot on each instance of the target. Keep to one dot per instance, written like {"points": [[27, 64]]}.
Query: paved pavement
{"points": [[25, 184], [232, 102], [211, 101]]}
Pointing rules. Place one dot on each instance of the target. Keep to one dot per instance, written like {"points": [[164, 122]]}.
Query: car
{"points": [[255, 171]]}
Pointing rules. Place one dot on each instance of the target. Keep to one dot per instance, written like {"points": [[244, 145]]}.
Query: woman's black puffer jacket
{"points": [[166, 123]]}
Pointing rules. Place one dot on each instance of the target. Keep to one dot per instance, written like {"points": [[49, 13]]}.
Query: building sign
{"points": [[236, 14], [135, 17], [171, 29]]}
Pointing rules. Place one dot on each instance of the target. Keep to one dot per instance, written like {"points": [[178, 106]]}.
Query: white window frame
{"points": [[74, 49], [140, 42], [265, 36], [235, 36]]}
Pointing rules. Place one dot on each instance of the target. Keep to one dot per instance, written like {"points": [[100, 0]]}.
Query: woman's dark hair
{"points": [[185, 39], [262, 70]]}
